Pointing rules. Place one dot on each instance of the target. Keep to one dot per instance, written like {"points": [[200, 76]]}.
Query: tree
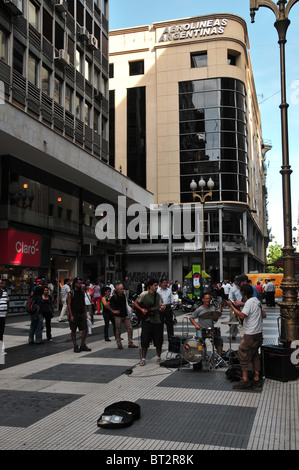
{"points": [[274, 253]]}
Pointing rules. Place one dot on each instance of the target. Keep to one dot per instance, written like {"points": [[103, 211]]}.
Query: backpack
{"points": [[234, 373], [31, 305]]}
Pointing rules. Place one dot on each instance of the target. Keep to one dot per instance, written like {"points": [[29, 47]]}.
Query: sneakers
{"points": [[120, 346], [142, 363], [131, 345], [159, 360], [76, 348], [243, 384]]}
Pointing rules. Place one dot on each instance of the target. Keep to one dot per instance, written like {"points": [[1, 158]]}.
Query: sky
{"points": [[265, 58]]}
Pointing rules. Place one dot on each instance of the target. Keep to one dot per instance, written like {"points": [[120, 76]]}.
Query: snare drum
{"points": [[207, 333]]}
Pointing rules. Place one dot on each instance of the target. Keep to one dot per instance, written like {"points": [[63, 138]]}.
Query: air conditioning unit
{"points": [[92, 41], [60, 5], [63, 57], [83, 32], [15, 6]]}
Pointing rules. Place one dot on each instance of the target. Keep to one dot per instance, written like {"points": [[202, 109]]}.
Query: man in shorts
{"points": [[149, 303], [77, 315], [248, 352], [201, 322]]}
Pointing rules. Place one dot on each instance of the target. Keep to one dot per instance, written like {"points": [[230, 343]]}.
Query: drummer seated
{"points": [[204, 317]]}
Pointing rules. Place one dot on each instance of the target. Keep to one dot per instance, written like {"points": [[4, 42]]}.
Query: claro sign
{"points": [[19, 248], [198, 29]]}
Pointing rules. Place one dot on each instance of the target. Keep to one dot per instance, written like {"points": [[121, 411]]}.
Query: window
{"points": [[79, 102], [105, 8], [213, 137], [136, 67], [47, 26], [104, 87], [46, 74], [18, 57], [87, 114], [33, 15], [199, 59], [88, 70], [68, 98], [96, 121], [111, 70], [136, 135], [79, 61], [57, 90], [33, 69], [3, 46]]}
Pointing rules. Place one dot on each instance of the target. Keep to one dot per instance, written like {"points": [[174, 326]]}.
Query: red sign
{"points": [[19, 248]]}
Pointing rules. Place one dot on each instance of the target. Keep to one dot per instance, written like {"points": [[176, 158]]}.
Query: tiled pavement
{"points": [[51, 397]]}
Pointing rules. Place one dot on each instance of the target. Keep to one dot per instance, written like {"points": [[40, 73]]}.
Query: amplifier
{"points": [[174, 344], [277, 363]]}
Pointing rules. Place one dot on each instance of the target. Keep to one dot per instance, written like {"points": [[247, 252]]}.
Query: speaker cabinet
{"points": [[277, 363]]}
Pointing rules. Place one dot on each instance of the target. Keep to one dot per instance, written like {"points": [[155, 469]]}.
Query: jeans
{"points": [[36, 328]]}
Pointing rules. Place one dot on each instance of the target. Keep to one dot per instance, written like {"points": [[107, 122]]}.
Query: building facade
{"points": [[55, 168], [183, 107]]}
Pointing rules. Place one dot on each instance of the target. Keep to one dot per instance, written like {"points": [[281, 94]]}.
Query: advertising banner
{"points": [[19, 248]]}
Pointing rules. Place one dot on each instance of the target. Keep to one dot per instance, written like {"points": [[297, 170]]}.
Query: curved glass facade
{"points": [[213, 137]]}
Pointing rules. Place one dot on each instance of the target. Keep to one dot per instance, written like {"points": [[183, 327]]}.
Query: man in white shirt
{"points": [[167, 299], [226, 288], [269, 290], [66, 288], [252, 315]]}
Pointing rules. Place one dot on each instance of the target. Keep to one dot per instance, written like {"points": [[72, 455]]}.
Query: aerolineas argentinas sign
{"points": [[193, 30]]}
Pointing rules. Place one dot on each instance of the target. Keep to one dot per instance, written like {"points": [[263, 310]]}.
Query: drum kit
{"points": [[196, 351]]}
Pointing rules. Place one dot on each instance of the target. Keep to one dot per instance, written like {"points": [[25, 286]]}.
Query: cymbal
{"points": [[229, 322], [210, 315]]}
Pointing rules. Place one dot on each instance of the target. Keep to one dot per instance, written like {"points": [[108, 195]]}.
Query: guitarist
{"points": [[167, 299], [149, 303]]}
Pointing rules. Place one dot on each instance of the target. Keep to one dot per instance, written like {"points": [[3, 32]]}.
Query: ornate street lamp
{"points": [[289, 306], [202, 197]]}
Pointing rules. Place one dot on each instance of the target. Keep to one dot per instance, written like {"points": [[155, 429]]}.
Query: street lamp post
{"points": [[202, 197], [289, 305]]}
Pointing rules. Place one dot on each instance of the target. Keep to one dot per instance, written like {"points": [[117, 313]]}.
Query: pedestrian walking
{"points": [[47, 311], [119, 306], [108, 315], [65, 289], [78, 315], [4, 304]]}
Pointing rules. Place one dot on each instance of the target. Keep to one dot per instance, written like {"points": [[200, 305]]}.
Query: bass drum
{"points": [[192, 351]]}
